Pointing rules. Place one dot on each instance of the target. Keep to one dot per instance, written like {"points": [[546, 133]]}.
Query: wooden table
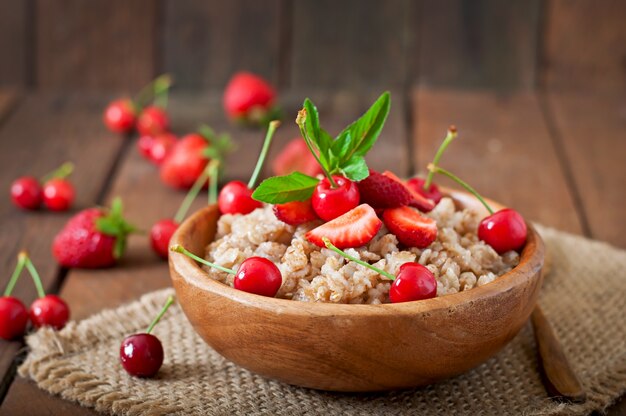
{"points": [[557, 157]]}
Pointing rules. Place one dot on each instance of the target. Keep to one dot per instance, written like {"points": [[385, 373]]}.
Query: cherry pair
{"points": [[47, 310], [56, 193]]}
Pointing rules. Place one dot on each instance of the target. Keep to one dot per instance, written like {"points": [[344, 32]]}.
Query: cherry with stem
{"points": [[142, 354], [450, 136], [58, 192], [412, 282], [503, 230], [47, 310], [256, 275], [13, 313]]}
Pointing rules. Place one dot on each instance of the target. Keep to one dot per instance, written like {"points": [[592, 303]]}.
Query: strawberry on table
{"points": [[411, 228], [295, 156], [355, 228], [249, 98], [93, 238]]}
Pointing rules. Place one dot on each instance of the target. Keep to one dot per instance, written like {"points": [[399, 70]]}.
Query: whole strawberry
{"points": [[93, 238], [249, 98]]}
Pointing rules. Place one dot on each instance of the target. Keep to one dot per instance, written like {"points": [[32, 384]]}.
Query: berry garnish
{"points": [[26, 192], [248, 98], [295, 212], [295, 157], [410, 227], [503, 230], [141, 355], [380, 191], [119, 116], [236, 197], [255, 275], [355, 228], [330, 201], [47, 310], [13, 313], [417, 200], [58, 191], [412, 282], [417, 185], [93, 238], [153, 121]]}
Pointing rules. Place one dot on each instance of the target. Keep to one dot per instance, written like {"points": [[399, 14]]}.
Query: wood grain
{"points": [[584, 45], [14, 42], [467, 43], [504, 150], [204, 43], [100, 44], [360, 44], [590, 130]]}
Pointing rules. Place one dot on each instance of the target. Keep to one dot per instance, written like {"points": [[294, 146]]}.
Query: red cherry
{"points": [[258, 275], [160, 235], [413, 282], [119, 116], [433, 193], [504, 230], [141, 355], [26, 192], [153, 120], [13, 317], [236, 198], [144, 144], [49, 310], [161, 146], [329, 203], [58, 194]]}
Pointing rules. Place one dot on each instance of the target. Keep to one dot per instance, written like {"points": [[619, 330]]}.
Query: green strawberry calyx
{"points": [[113, 224]]}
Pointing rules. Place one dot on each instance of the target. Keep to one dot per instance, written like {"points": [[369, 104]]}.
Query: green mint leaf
{"points": [[366, 129], [356, 169], [340, 147], [312, 133], [282, 189]]}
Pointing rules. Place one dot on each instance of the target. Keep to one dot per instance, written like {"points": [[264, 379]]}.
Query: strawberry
{"points": [[295, 213], [417, 201], [381, 191], [93, 238], [411, 228], [433, 193], [355, 228], [295, 156], [185, 162], [249, 98]]}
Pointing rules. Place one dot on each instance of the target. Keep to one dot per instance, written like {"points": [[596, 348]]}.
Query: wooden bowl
{"points": [[354, 348]]}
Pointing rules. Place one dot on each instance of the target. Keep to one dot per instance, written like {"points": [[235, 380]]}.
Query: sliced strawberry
{"points": [[411, 228], [433, 193], [295, 156], [355, 228], [380, 191], [296, 212], [418, 201]]}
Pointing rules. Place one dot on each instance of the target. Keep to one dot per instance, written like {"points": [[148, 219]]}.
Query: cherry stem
{"points": [[266, 147], [191, 195], [21, 262], [330, 246], [168, 303], [300, 120], [180, 249], [468, 188], [61, 172], [213, 180], [161, 89], [450, 136], [34, 274], [148, 92]]}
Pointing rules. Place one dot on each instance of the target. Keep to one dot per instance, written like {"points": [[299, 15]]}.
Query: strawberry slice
{"points": [[295, 213], [380, 191], [418, 201], [411, 228], [355, 228]]}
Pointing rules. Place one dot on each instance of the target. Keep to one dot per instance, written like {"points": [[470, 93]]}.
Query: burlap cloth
{"points": [[584, 298]]}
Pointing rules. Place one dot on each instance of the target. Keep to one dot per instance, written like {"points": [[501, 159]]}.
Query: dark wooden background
{"points": [[121, 44]]}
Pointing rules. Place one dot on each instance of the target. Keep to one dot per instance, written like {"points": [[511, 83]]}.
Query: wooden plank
{"points": [[585, 45], [43, 132], [467, 43], [204, 43], [14, 39], [100, 44], [355, 43], [590, 130], [504, 150]]}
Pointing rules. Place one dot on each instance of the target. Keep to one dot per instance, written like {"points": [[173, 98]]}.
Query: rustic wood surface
{"points": [[511, 146]]}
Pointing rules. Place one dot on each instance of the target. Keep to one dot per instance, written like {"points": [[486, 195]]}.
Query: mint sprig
{"points": [[282, 189]]}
